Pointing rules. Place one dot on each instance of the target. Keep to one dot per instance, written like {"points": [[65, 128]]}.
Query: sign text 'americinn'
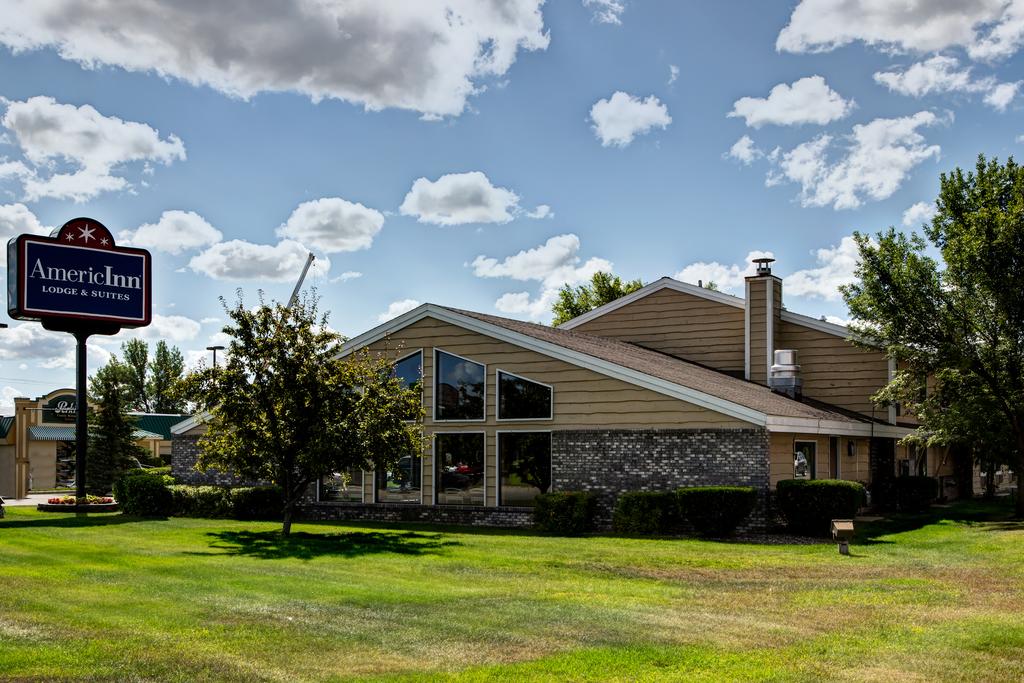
{"points": [[78, 274]]}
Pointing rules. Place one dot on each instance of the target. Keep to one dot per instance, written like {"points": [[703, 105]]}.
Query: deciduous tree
{"points": [[285, 407], [960, 321], [602, 288]]}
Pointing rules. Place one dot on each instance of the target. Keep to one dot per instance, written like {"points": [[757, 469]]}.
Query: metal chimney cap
{"points": [[764, 265]]}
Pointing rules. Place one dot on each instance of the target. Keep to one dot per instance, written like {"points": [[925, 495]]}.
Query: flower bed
{"points": [[85, 500]]}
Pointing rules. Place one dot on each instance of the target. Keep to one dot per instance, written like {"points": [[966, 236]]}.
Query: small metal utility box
{"points": [[842, 532]]}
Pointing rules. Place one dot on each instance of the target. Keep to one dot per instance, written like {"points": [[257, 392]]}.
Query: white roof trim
{"points": [[656, 286], [811, 426], [190, 423], [604, 367]]}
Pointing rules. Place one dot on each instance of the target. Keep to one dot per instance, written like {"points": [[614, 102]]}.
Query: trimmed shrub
{"points": [[163, 470], [646, 512], [200, 501], [810, 506], [565, 513], [716, 511], [257, 502], [143, 496], [916, 493]]}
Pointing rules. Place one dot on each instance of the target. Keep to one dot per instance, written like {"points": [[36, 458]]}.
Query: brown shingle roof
{"points": [[670, 369]]}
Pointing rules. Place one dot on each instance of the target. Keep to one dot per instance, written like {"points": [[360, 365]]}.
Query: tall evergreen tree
{"points": [[111, 443], [150, 385]]}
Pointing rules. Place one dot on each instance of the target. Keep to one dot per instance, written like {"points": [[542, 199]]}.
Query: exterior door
{"points": [[804, 456], [833, 457]]}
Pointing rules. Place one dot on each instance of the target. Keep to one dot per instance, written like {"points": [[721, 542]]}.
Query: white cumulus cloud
{"points": [[175, 232], [346, 276], [619, 119], [542, 211], [744, 151], [606, 11], [921, 212], [333, 225], [942, 74], [878, 157], [95, 145], [808, 100], [1000, 96], [728, 277], [17, 219], [553, 264], [397, 308], [836, 266], [988, 29], [241, 260], [427, 56], [673, 73], [459, 198]]}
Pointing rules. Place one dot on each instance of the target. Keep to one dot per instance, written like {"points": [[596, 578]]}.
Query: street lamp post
{"points": [[215, 349]]}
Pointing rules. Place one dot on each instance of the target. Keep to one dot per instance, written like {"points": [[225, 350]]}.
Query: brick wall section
{"points": [[185, 455], [609, 462]]}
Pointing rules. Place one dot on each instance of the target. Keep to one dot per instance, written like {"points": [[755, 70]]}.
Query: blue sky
{"points": [[552, 140]]}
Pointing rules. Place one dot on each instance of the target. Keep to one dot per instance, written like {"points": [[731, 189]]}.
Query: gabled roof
{"points": [[642, 367], [159, 423], [704, 293]]}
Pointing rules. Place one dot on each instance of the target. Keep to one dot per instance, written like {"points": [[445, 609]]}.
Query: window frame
{"points": [[434, 484], [497, 399], [436, 375], [497, 460], [422, 377], [362, 493]]}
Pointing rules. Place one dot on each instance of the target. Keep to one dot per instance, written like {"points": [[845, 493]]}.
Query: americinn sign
{"points": [[78, 281]]}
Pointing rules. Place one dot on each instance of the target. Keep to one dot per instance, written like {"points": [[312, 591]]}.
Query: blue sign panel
{"points": [[78, 274]]}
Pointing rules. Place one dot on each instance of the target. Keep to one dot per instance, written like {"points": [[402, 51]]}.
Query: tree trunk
{"points": [[286, 525], [1019, 471]]}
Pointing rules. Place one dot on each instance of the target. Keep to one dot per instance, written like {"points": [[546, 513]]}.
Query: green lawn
{"points": [[107, 597]]}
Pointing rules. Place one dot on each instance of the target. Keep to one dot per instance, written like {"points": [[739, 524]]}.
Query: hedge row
{"points": [[142, 494], [809, 506], [565, 513], [713, 511]]}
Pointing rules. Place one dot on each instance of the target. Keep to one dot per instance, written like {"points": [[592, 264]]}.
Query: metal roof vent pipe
{"points": [[784, 377]]}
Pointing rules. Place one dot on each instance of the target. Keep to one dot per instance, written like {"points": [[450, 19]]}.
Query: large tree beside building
{"points": [[285, 407], [151, 382], [603, 288], [959, 322]]}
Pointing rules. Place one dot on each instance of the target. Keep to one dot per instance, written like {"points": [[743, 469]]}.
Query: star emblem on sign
{"points": [[86, 234]]}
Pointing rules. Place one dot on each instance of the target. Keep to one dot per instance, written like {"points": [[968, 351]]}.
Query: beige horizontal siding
{"points": [[758, 330], [836, 371], [680, 324], [781, 447], [583, 399]]}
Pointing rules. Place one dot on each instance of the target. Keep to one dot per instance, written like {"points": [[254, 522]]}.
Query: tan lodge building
{"points": [[37, 443], [672, 385]]}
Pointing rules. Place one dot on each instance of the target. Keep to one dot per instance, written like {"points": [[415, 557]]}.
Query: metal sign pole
{"points": [[81, 419]]}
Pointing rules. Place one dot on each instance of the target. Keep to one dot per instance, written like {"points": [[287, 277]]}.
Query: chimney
{"points": [[763, 306], [784, 376]]}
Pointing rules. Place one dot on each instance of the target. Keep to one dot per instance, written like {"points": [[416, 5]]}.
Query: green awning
{"points": [[48, 433]]}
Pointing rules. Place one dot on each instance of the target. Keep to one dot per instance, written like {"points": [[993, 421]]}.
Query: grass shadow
{"points": [[68, 520], [271, 545], [993, 515]]}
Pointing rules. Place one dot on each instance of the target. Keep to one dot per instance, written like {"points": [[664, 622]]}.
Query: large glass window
{"points": [[459, 468], [804, 456], [342, 487], [400, 484], [524, 462], [409, 371], [521, 399], [458, 388]]}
